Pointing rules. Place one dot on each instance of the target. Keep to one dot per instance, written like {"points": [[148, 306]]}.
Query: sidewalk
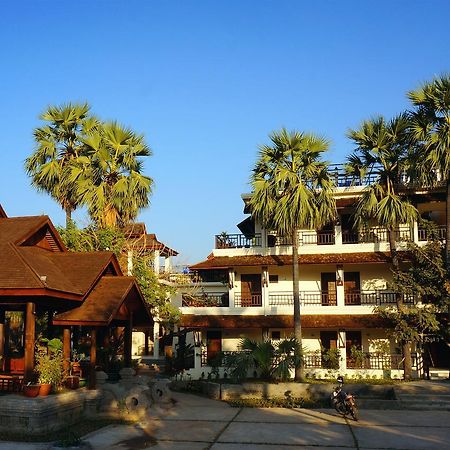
{"points": [[200, 423]]}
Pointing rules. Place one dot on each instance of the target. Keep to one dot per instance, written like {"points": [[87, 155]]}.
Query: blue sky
{"points": [[206, 82]]}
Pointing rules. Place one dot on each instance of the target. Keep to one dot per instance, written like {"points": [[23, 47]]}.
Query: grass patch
{"points": [[292, 402], [67, 436]]}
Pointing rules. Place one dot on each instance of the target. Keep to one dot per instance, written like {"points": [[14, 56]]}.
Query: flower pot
{"points": [[72, 382], [45, 389], [31, 390]]}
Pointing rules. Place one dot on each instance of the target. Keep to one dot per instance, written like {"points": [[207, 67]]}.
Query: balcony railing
{"points": [[250, 300], [376, 298], [206, 299], [374, 236], [379, 361], [237, 241], [307, 298], [440, 233], [317, 238]]}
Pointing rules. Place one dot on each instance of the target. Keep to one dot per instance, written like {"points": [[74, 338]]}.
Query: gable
{"points": [[2, 213], [44, 238]]}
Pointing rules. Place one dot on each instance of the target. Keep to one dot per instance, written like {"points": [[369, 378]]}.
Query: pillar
{"points": [[156, 261], [93, 358], [338, 235], [340, 292], [66, 350], [2, 333], [30, 337], [342, 342], [146, 336], [168, 264], [265, 288], [130, 263], [127, 342], [156, 339]]}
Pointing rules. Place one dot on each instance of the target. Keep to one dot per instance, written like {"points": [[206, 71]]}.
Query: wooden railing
{"points": [[374, 236], [440, 233], [244, 301], [307, 298], [317, 238], [377, 298], [206, 299], [237, 241], [379, 361]]}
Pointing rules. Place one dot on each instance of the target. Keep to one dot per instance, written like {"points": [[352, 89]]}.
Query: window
{"points": [[273, 278], [276, 335]]}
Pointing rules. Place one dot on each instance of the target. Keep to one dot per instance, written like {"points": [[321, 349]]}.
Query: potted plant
{"points": [[31, 390], [49, 369]]}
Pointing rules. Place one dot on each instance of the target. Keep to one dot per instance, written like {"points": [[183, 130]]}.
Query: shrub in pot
{"points": [[49, 369]]}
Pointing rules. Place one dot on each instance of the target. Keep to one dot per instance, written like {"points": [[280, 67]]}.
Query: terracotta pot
{"points": [[31, 390], [45, 389], [72, 382]]}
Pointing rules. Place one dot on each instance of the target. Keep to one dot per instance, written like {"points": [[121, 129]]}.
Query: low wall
{"points": [[281, 390], [40, 415]]}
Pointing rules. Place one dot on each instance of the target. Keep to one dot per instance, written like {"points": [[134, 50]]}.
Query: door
{"points": [[353, 347], [352, 288], [213, 344], [251, 293], [328, 287], [330, 354]]}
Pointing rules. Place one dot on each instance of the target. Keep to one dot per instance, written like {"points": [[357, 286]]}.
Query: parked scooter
{"points": [[344, 403]]}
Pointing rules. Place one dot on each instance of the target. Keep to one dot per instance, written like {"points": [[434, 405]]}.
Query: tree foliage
{"points": [[155, 292]]}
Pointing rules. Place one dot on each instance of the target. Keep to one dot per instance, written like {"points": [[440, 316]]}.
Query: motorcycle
{"points": [[344, 404]]}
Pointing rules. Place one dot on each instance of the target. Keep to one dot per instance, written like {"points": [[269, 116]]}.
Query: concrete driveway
{"points": [[200, 423]]}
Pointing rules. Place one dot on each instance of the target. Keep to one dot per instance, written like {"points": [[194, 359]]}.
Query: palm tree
{"points": [[109, 175], [430, 126], [291, 191], [57, 144], [382, 148]]}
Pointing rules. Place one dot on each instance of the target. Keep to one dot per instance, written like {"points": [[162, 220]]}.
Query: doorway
{"points": [[328, 287], [352, 288], [213, 344], [251, 292], [330, 353], [353, 339]]}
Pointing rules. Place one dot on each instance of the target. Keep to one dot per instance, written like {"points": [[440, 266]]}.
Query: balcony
{"points": [[374, 236], [440, 232], [210, 299], [237, 241], [307, 298], [245, 301], [376, 298]]}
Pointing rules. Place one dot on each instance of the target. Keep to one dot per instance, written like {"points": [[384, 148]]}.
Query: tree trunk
{"points": [[299, 371], [68, 217], [447, 241], [406, 346]]}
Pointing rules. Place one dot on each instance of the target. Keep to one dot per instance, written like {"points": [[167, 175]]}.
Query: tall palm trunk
{"points": [[299, 371], [447, 241], [68, 211], [406, 346]]}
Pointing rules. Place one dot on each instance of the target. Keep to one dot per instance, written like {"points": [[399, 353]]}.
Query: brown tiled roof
{"points": [[137, 234], [2, 213], [15, 272], [282, 321], [112, 298], [222, 262]]}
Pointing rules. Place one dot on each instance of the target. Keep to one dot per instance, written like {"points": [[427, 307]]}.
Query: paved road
{"points": [[199, 423]]}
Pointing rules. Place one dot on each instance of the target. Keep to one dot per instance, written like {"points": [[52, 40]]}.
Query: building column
{"points": [[2, 334], [93, 358], [342, 342], [340, 293], [415, 232], [338, 235], [66, 350], [156, 261], [231, 281], [130, 263], [146, 336], [265, 288], [127, 342], [30, 337], [168, 264], [156, 329]]}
